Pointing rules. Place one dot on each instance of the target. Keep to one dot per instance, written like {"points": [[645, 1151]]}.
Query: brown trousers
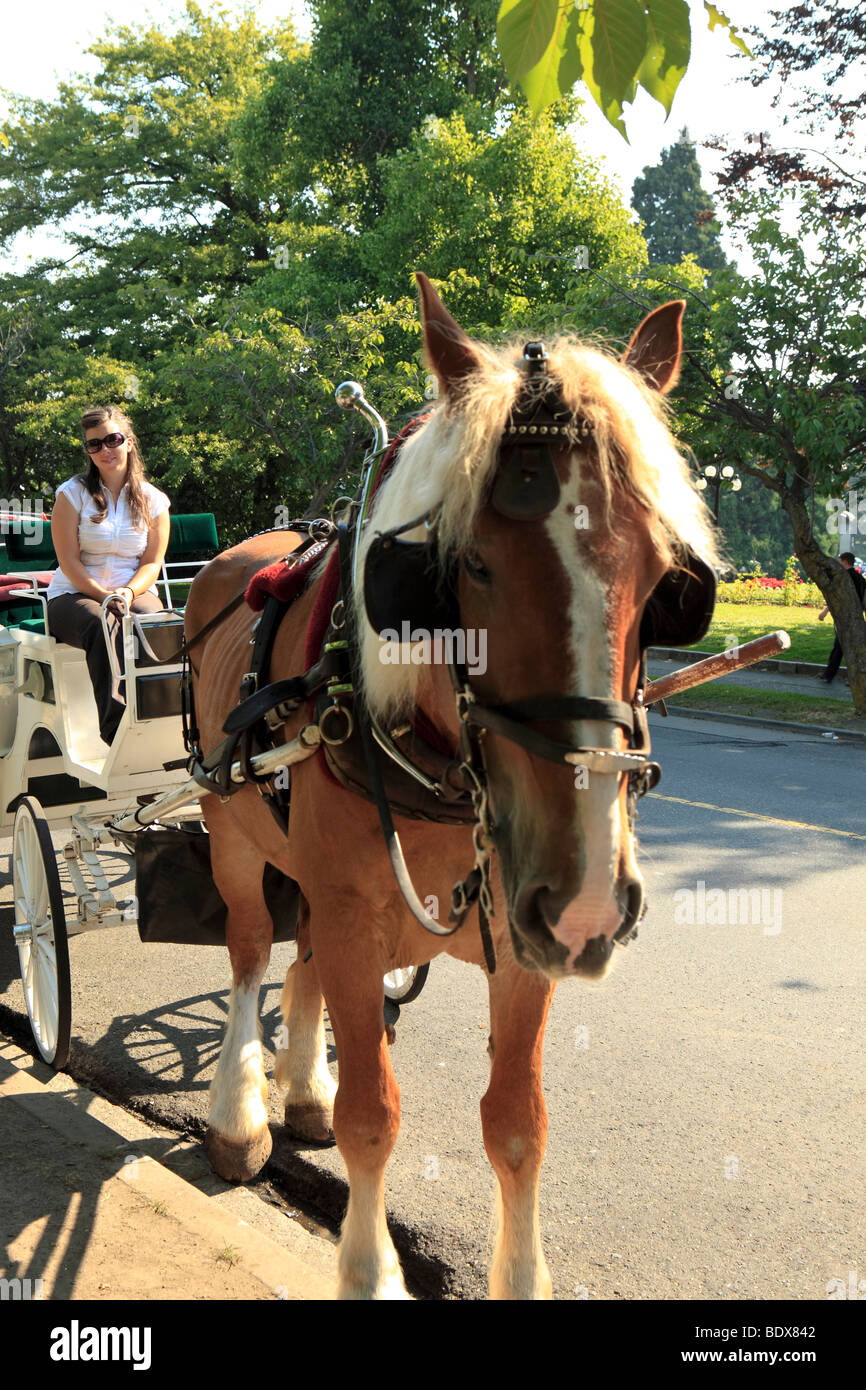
{"points": [[74, 618]]}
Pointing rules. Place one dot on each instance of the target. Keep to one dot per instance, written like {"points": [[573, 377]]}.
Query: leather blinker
{"points": [[526, 486]]}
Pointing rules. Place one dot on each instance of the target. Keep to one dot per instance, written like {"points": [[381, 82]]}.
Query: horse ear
{"points": [[656, 347], [449, 351]]}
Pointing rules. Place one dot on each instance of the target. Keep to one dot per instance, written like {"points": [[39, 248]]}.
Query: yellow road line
{"points": [[753, 815]]}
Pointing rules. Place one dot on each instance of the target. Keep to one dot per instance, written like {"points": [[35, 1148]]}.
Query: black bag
{"points": [[178, 900]]}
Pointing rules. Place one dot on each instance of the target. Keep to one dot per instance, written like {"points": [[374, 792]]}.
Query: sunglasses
{"points": [[111, 441]]}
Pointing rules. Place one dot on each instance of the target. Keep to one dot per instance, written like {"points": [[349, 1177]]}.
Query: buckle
{"points": [[459, 900], [249, 684], [464, 698]]}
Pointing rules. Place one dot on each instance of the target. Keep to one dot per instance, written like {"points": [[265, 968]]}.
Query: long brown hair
{"points": [[135, 475]]}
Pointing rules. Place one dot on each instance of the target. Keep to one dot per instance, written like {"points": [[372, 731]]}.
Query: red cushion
{"points": [[23, 581]]}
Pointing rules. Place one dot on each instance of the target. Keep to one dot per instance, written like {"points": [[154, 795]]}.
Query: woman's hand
{"points": [[126, 593]]}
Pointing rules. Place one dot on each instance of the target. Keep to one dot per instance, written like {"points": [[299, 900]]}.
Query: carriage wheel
{"points": [[405, 985], [40, 932]]}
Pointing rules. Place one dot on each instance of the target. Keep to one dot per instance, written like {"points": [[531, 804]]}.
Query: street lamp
{"points": [[720, 480]]}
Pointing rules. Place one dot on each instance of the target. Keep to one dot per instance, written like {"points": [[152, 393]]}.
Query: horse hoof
{"points": [[311, 1124], [237, 1162]]}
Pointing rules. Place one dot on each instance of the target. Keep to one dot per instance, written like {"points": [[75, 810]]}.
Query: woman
{"points": [[110, 530]]}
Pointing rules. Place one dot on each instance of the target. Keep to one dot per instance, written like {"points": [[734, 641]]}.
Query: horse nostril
{"points": [[635, 907]]}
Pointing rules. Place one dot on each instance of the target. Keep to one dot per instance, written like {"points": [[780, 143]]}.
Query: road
{"points": [[706, 1101]]}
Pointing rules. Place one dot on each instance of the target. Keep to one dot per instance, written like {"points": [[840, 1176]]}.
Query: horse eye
{"points": [[476, 568]]}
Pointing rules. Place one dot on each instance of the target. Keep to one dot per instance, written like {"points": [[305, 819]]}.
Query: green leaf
{"points": [[601, 48], [667, 56], [525, 30], [716, 18], [619, 43], [543, 83]]}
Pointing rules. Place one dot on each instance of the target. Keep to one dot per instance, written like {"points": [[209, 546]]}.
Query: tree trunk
{"points": [[839, 592]]}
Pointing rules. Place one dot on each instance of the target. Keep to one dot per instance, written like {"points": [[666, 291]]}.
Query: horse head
{"points": [[567, 537]]}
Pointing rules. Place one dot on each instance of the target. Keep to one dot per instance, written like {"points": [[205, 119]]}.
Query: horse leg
{"points": [[514, 1122], [238, 1141], [301, 1069], [366, 1110]]}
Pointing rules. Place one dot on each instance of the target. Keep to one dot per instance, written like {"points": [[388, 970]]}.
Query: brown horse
{"points": [[560, 601]]}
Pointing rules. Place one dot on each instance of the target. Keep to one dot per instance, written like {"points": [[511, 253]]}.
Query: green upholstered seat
{"points": [[192, 535], [28, 552]]}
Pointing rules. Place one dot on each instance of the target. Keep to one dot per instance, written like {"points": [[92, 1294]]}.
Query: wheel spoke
{"points": [[41, 906], [38, 1017], [28, 965], [49, 1010]]}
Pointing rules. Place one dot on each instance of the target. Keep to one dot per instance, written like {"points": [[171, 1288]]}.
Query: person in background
{"points": [[846, 560], [110, 530]]}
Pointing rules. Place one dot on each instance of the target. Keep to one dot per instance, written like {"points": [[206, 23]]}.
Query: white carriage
{"points": [[56, 772]]}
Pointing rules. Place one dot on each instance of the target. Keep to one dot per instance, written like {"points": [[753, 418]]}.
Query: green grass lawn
{"points": [[810, 640], [770, 704]]}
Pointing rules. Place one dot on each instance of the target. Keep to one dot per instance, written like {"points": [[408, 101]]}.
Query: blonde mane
{"points": [[448, 462]]}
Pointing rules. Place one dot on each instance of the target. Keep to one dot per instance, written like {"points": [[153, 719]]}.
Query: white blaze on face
{"points": [[595, 911]]}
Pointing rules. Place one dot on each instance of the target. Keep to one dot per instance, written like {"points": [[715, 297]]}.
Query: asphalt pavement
{"points": [[706, 1102]]}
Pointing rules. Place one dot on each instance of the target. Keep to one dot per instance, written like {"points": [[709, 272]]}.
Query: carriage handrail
{"points": [[166, 580], [350, 396], [116, 670], [34, 592]]}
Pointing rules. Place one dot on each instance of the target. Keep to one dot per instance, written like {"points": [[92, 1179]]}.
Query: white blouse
{"points": [[111, 550]]}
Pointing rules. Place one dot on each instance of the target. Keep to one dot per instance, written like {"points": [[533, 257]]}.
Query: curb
{"points": [[785, 725], [63, 1106]]}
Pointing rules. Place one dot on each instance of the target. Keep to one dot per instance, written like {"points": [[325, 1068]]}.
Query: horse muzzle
{"points": [[546, 937]]}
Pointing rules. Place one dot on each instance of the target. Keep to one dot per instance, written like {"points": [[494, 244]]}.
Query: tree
{"points": [[677, 213], [508, 220], [782, 359], [825, 40], [373, 73], [226, 271]]}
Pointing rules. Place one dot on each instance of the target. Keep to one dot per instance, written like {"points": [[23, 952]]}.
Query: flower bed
{"points": [[790, 591], [793, 592]]}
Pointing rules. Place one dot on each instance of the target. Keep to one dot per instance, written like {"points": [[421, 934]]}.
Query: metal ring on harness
{"points": [[346, 714]]}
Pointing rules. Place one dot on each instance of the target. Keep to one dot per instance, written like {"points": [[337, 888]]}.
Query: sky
{"points": [[46, 39]]}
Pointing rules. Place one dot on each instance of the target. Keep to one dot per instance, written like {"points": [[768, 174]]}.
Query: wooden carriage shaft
{"points": [[304, 746], [712, 667]]}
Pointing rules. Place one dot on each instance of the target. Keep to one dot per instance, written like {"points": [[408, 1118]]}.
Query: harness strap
{"points": [[371, 751], [570, 707], [283, 697]]}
